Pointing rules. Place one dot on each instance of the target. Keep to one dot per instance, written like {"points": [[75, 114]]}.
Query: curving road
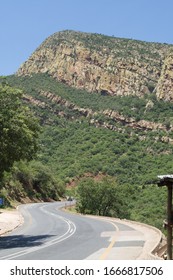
{"points": [[51, 234]]}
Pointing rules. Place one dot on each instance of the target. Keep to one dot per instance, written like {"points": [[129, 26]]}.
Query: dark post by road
{"points": [[167, 180], [169, 227]]}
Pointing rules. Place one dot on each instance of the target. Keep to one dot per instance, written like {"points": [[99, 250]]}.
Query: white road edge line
{"points": [[70, 231]]}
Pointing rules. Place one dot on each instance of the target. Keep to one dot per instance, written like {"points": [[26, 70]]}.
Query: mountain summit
{"points": [[99, 63]]}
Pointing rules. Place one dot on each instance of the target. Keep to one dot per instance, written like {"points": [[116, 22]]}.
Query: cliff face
{"points": [[99, 63], [165, 84]]}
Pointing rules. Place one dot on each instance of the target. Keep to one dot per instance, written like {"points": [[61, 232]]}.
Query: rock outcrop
{"points": [[98, 63], [115, 116], [165, 84]]}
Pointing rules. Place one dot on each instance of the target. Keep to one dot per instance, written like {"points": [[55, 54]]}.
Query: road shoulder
{"points": [[9, 220], [152, 237]]}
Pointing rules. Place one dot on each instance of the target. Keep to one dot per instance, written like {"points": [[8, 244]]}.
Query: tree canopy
{"points": [[101, 198], [19, 129]]}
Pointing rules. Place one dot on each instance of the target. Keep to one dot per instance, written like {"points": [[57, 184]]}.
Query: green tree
{"points": [[100, 198], [19, 129]]}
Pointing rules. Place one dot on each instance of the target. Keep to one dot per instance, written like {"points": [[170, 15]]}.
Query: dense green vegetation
{"points": [[109, 199], [129, 106], [71, 147], [18, 129], [30, 181], [19, 133], [78, 148]]}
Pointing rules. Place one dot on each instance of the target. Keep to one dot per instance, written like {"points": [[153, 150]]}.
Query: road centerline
{"points": [[108, 249]]}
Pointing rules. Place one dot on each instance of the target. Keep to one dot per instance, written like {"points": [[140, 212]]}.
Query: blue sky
{"points": [[24, 24]]}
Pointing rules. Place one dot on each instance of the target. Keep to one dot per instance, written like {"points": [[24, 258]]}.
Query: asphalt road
{"points": [[48, 233]]}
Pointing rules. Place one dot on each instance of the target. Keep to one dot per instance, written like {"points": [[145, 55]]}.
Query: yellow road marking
{"points": [[108, 249]]}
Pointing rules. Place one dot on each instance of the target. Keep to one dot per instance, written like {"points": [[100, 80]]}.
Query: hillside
{"points": [[104, 110], [99, 63]]}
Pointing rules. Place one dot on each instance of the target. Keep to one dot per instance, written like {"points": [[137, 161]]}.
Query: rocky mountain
{"points": [[164, 88], [108, 65]]}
